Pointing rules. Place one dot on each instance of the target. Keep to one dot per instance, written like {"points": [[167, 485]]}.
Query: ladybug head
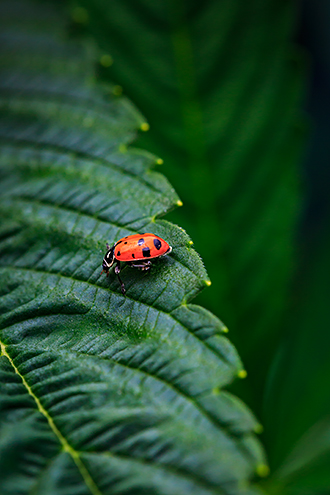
{"points": [[108, 259]]}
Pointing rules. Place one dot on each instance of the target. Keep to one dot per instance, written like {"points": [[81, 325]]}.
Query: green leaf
{"points": [[100, 393], [220, 85]]}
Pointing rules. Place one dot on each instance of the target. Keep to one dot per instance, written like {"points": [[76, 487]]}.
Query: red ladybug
{"points": [[137, 251]]}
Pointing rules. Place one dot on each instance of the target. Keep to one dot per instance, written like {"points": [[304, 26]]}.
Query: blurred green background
{"points": [[237, 97]]}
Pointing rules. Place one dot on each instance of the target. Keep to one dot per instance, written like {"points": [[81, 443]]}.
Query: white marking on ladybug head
{"points": [[108, 259]]}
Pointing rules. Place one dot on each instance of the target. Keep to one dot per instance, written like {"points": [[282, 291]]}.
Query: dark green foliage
{"points": [[100, 393], [297, 403]]}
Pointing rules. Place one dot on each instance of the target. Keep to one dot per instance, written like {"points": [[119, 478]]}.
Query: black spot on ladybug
{"points": [[140, 242], [157, 244], [118, 242], [133, 255], [125, 242], [118, 253], [146, 252]]}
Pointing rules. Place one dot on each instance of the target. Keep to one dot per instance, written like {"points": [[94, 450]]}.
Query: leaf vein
{"points": [[157, 465], [155, 376], [61, 149], [196, 336]]}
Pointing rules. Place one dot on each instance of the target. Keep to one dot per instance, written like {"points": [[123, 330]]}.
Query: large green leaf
{"points": [[220, 86], [100, 393]]}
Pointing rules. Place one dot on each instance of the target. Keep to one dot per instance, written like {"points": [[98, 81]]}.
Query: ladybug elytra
{"points": [[137, 251]]}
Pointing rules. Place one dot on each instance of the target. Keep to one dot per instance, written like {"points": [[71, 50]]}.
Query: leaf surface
{"points": [[100, 393]]}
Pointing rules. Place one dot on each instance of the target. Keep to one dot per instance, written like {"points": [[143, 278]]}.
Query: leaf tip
{"points": [[191, 243], [258, 428], [262, 470], [144, 126], [225, 329], [159, 161], [207, 283], [242, 374], [106, 60], [179, 203]]}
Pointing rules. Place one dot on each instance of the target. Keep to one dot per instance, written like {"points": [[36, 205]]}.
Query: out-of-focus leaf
{"points": [[220, 87], [306, 469], [100, 393], [297, 397]]}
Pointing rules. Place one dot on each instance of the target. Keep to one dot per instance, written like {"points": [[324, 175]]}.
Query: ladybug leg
{"points": [[143, 265], [117, 272]]}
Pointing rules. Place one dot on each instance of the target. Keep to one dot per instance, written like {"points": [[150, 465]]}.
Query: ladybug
{"points": [[137, 251]]}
